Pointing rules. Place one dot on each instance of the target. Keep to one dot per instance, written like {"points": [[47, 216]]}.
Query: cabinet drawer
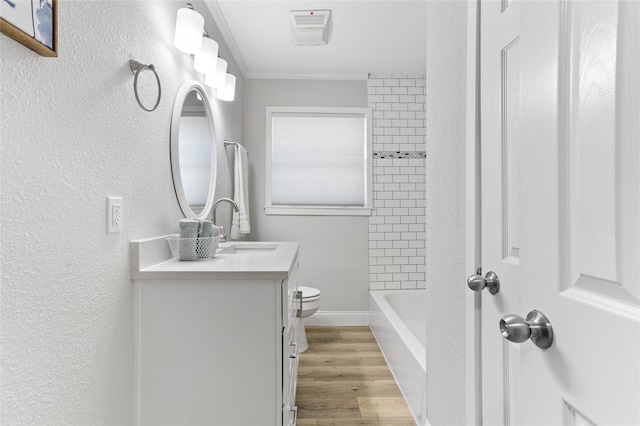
{"points": [[291, 305], [290, 411]]}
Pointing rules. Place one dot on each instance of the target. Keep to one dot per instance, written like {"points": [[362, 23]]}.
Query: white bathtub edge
{"points": [[405, 355]]}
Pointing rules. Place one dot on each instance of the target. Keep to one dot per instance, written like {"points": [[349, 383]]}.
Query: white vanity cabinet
{"points": [[216, 341]]}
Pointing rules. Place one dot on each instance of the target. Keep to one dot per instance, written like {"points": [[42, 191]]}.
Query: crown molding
{"points": [[282, 76], [218, 17]]}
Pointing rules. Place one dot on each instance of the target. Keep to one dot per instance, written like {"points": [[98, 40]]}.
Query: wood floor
{"points": [[343, 379]]}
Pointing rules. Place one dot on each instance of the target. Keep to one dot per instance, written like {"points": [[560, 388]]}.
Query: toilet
{"points": [[310, 304]]}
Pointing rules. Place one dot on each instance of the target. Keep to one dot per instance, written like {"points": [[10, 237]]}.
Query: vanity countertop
{"points": [[151, 259]]}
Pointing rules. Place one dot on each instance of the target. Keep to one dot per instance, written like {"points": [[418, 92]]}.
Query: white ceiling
{"points": [[379, 37]]}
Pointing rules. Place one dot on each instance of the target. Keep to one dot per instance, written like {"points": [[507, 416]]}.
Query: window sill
{"points": [[317, 211]]}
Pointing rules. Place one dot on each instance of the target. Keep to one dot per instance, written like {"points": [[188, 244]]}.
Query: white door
{"points": [[561, 209], [500, 141]]}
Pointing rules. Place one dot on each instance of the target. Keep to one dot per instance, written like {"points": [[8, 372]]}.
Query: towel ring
{"points": [[137, 68]]}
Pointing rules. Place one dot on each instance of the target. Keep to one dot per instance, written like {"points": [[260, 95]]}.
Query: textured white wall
{"points": [[72, 133], [333, 249], [446, 275]]}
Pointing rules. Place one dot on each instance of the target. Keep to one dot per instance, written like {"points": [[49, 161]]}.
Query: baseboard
{"points": [[338, 318]]}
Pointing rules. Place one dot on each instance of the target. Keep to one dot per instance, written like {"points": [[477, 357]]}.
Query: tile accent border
{"points": [[398, 154]]}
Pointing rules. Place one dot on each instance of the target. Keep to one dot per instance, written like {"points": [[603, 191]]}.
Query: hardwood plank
{"points": [[305, 373], [347, 422], [370, 372], [343, 360], [343, 347], [357, 422], [346, 389], [329, 408], [343, 379], [340, 334], [383, 407], [400, 421]]}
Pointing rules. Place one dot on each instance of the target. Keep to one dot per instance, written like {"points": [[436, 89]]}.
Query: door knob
{"points": [[536, 327], [477, 282]]}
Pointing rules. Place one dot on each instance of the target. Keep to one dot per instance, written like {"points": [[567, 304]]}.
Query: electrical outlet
{"points": [[114, 214]]}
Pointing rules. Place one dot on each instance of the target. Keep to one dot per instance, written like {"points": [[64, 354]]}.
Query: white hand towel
{"points": [[240, 221]]}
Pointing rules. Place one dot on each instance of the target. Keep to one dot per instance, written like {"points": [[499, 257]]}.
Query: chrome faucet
{"points": [[223, 237]]}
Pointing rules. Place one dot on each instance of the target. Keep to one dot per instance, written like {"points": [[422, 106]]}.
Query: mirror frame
{"points": [[186, 88]]}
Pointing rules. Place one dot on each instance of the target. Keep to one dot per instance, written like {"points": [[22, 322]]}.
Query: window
{"points": [[318, 161], [195, 158]]}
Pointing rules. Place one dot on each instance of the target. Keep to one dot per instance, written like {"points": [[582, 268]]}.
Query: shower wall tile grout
{"points": [[397, 225]]}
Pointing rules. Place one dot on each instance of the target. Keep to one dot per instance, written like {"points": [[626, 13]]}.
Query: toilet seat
{"points": [[310, 300], [309, 293]]}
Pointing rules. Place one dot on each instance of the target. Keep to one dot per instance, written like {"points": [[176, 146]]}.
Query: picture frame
{"points": [[33, 23]]}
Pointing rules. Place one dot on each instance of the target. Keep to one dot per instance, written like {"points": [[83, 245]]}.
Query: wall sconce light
{"points": [[191, 37], [205, 61], [216, 79], [228, 91], [189, 28]]}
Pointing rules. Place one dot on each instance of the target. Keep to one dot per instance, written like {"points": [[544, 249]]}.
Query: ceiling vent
{"points": [[310, 27]]}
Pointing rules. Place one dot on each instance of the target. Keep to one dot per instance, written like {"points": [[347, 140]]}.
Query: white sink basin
{"points": [[246, 247]]}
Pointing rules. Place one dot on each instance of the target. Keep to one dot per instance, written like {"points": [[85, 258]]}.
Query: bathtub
{"points": [[398, 321]]}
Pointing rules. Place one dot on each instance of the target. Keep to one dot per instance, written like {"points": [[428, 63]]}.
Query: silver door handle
{"points": [[535, 327], [477, 282]]}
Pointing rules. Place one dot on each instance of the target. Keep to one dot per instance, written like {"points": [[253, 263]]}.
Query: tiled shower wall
{"points": [[397, 224]]}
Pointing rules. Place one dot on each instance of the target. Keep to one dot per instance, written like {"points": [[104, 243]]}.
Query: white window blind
{"points": [[319, 159], [195, 158]]}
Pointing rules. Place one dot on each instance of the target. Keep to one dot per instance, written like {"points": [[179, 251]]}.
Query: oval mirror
{"points": [[193, 151]]}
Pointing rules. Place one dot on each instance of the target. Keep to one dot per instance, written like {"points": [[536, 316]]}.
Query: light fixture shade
{"points": [[228, 91], [189, 29], [205, 60], [217, 78]]}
